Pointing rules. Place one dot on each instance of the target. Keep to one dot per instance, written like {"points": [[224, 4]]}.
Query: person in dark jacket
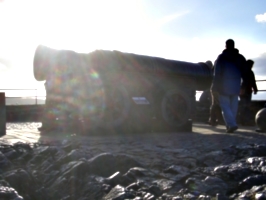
{"points": [[229, 69], [247, 87]]}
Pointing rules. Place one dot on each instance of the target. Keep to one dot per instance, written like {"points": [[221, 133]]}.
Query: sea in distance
{"points": [[25, 99]]}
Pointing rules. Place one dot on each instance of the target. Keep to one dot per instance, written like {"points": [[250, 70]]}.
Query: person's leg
{"points": [[234, 106], [241, 109], [217, 113], [213, 110], [248, 111], [244, 109], [228, 114], [192, 94], [216, 105], [212, 119]]}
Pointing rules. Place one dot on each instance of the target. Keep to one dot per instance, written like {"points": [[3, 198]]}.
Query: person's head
{"points": [[250, 63], [229, 44], [209, 63]]}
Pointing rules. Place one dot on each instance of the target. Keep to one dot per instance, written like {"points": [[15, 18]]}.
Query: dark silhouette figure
{"points": [[205, 99], [215, 109], [229, 69], [247, 87]]}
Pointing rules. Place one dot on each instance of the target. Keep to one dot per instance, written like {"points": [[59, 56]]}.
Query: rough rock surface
{"points": [[72, 170], [204, 164]]}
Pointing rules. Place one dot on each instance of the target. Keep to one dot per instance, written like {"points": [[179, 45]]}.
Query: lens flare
{"points": [[94, 74]]}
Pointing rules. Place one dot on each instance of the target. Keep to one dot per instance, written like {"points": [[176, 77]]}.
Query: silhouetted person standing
{"points": [[229, 68], [215, 110], [247, 87]]}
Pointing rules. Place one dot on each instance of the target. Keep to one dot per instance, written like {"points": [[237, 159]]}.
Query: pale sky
{"points": [[191, 30]]}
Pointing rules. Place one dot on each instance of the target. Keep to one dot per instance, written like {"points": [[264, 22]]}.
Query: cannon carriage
{"points": [[112, 90]]}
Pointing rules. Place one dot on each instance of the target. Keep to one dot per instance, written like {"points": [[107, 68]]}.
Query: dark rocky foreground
{"points": [[70, 170]]}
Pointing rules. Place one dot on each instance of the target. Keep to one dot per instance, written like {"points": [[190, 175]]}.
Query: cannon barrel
{"points": [[46, 61], [122, 89]]}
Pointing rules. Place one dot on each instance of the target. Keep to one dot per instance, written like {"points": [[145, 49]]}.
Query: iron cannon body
{"points": [[112, 90]]}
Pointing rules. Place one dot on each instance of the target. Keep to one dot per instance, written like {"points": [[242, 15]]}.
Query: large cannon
{"points": [[120, 91]]}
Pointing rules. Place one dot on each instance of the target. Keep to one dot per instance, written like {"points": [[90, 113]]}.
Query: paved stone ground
{"points": [[153, 149]]}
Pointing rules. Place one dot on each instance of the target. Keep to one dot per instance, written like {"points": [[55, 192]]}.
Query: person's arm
{"points": [[253, 82], [245, 71]]}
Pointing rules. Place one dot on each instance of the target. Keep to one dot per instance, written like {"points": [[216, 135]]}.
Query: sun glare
{"points": [[87, 25], [2, 66]]}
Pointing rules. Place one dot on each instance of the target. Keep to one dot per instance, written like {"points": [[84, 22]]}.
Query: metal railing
{"points": [[261, 81], [198, 93], [34, 96]]}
